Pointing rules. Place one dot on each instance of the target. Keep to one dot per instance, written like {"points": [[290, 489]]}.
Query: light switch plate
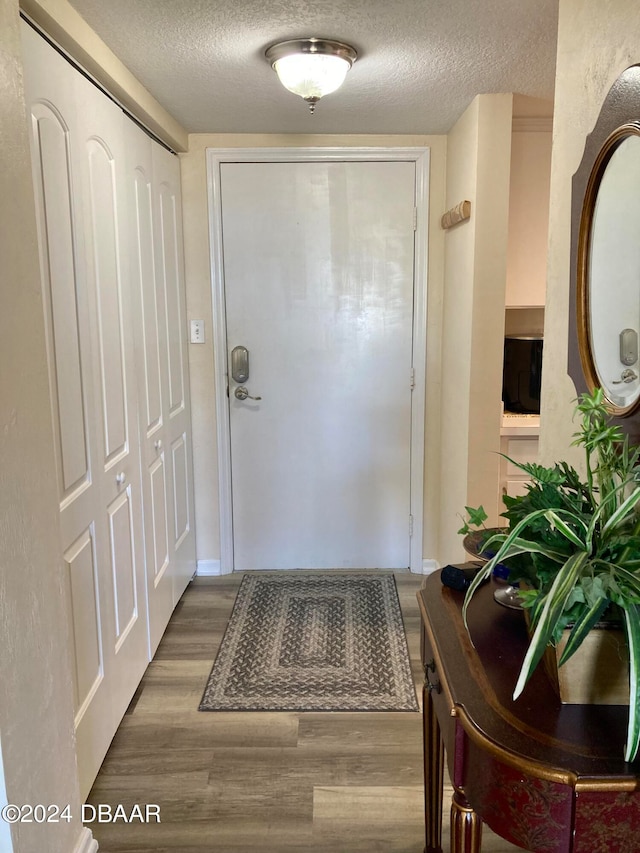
{"points": [[197, 332]]}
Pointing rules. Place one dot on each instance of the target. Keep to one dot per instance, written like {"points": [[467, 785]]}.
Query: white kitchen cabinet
{"points": [[518, 444]]}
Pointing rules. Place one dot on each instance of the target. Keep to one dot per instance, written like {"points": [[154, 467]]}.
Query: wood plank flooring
{"points": [[240, 782]]}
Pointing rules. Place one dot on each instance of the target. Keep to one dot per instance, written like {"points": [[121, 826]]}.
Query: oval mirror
{"points": [[609, 271]]}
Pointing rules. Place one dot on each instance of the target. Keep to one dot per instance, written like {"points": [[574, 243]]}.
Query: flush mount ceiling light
{"points": [[311, 67]]}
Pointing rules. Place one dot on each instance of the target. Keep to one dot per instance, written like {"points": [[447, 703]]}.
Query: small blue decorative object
{"points": [[501, 573]]}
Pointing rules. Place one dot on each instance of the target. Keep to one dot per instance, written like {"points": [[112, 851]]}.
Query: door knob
{"points": [[627, 375], [242, 394], [158, 446], [120, 478]]}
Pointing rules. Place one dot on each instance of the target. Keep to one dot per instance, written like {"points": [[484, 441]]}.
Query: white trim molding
{"points": [[421, 158], [208, 568], [532, 124], [86, 842], [430, 566]]}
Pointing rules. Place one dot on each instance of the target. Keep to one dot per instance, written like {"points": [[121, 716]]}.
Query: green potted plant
{"points": [[575, 545]]}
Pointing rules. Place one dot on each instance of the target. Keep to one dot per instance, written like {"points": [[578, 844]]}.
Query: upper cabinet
{"points": [[528, 211]]}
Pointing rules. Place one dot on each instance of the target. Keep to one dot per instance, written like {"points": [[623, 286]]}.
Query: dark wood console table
{"points": [[548, 777]]}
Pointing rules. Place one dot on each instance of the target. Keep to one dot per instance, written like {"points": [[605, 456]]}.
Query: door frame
{"points": [[421, 157]]}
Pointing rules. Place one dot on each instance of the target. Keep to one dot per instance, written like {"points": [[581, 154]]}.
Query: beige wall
{"points": [[199, 305], [596, 42], [528, 214], [36, 704], [478, 167]]}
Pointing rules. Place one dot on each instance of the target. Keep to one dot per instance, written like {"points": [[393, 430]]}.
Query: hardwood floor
{"points": [[240, 782]]}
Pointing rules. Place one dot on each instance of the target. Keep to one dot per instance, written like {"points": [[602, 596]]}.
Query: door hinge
{"points": [[415, 218], [412, 378], [410, 525]]}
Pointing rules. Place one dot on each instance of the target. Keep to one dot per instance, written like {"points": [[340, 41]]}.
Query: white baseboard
{"points": [[208, 568], [211, 568], [430, 566], [86, 843]]}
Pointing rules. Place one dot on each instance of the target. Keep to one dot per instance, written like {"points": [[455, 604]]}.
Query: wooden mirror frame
{"points": [[618, 119], [583, 288]]}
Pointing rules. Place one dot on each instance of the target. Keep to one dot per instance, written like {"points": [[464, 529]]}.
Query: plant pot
{"points": [[598, 672], [473, 544]]}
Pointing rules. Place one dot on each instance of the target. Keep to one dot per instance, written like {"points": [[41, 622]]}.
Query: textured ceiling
{"points": [[420, 64]]}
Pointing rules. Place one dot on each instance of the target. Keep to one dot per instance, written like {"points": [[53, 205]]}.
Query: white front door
{"points": [[318, 263]]}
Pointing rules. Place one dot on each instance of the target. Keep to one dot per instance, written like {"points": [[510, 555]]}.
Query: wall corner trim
{"points": [[86, 842], [208, 568], [430, 566]]}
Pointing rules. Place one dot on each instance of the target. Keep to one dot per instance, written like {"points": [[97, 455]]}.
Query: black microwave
{"points": [[522, 374]]}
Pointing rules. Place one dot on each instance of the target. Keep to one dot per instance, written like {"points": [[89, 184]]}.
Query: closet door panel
{"points": [[56, 150], [105, 272], [105, 226], [159, 520], [54, 181], [181, 520], [82, 588], [123, 565], [144, 279], [170, 263], [149, 299]]}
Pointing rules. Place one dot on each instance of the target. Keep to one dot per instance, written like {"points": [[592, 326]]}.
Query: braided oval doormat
{"points": [[319, 642]]}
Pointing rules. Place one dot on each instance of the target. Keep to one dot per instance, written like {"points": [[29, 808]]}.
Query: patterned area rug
{"points": [[321, 642]]}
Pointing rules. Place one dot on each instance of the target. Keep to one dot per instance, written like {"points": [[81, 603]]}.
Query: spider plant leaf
{"points": [[555, 601], [581, 628], [536, 610], [632, 622], [623, 510], [526, 546], [495, 539], [562, 527], [629, 579], [488, 568], [481, 577], [632, 564], [521, 546]]}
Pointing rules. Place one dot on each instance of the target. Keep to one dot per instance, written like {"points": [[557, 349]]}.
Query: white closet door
{"points": [[49, 87], [177, 408], [106, 228], [77, 157], [151, 355]]}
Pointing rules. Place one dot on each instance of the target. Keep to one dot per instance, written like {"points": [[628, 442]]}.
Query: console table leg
{"points": [[433, 779], [466, 826]]}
